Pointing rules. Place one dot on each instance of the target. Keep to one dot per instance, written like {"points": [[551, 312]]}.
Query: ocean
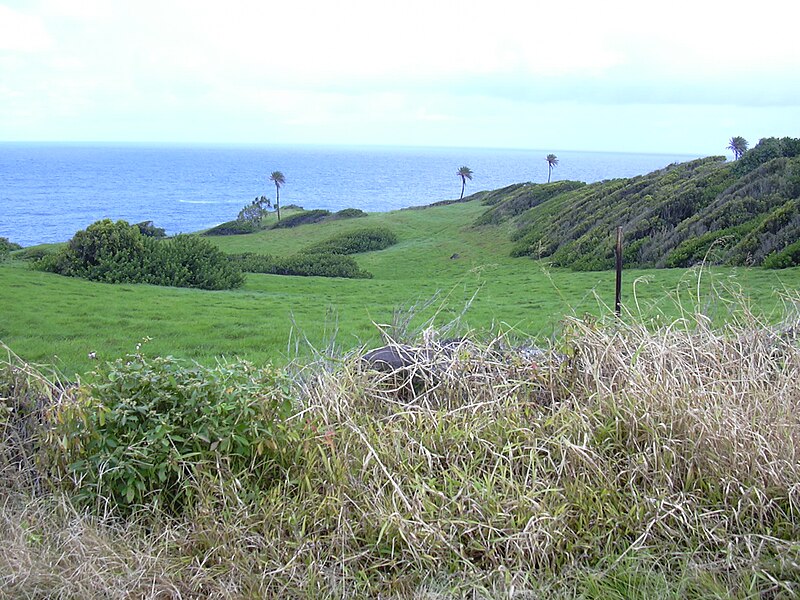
{"points": [[48, 191]]}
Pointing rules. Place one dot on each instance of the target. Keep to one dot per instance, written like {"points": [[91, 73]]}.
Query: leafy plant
{"points": [[303, 218], [6, 247], [788, 257], [319, 265], [349, 213], [120, 253], [255, 211], [152, 430], [233, 228], [354, 242], [147, 228]]}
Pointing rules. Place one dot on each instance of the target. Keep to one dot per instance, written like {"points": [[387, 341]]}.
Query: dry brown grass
{"points": [[625, 461]]}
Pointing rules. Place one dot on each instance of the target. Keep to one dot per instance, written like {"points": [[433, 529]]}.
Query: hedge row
{"points": [[121, 253]]}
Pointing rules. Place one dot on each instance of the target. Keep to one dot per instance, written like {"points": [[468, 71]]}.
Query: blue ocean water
{"points": [[50, 191]]}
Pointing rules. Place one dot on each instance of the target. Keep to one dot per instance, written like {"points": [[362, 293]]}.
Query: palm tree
{"points": [[465, 173], [278, 179], [552, 161], [738, 145]]}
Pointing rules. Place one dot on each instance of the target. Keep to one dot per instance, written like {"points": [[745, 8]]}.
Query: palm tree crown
{"points": [[465, 173], [738, 145], [278, 179], [552, 161]]}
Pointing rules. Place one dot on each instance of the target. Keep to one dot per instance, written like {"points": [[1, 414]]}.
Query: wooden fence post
{"points": [[618, 297]]}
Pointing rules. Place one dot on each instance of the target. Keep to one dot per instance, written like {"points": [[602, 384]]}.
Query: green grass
{"points": [[53, 319]]}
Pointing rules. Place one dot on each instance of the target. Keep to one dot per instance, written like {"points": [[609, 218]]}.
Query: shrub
{"points": [[303, 218], [354, 242], [119, 253], [148, 229], [788, 257], [151, 431], [349, 213], [35, 253], [190, 261], [233, 228], [255, 211], [317, 265], [322, 265], [8, 246]]}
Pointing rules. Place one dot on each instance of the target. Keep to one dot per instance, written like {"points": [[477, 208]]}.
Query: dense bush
{"points": [[349, 213], [522, 198], [302, 218], [788, 257], [119, 253], [696, 249], [766, 150], [233, 228], [154, 431], [318, 265], [35, 253], [7, 246], [673, 216], [147, 228], [255, 211], [354, 242]]}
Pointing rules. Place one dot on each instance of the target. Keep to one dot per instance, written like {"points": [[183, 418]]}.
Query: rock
{"points": [[391, 358]]}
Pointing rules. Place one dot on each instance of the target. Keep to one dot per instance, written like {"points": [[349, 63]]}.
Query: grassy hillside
{"points": [[742, 213], [54, 319], [651, 456]]}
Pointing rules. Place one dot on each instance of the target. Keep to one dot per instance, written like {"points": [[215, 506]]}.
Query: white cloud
{"points": [[20, 32], [354, 70]]}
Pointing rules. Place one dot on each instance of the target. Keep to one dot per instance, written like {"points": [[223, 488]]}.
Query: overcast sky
{"points": [[678, 77]]}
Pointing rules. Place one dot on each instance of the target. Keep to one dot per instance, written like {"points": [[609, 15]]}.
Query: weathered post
{"points": [[618, 297]]}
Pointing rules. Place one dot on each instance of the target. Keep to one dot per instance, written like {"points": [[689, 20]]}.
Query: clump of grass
{"points": [[622, 460]]}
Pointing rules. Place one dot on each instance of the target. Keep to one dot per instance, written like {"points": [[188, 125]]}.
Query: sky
{"points": [[625, 76]]}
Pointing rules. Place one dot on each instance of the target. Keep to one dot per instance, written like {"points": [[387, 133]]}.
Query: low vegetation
{"points": [[256, 217], [328, 258], [301, 264], [709, 210], [355, 242], [536, 446], [624, 459], [118, 252]]}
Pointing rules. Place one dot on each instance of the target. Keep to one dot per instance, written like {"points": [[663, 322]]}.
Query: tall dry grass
{"points": [[622, 461]]}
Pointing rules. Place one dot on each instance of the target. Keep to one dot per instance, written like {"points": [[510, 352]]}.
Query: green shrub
{"points": [[35, 253], [255, 211], [148, 229], [233, 228], [151, 431], [119, 253], [695, 249], [349, 213], [8, 246], [355, 242], [302, 218], [322, 265], [788, 257], [190, 261], [317, 265]]}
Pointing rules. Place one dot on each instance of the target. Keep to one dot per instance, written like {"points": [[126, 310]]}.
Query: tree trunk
{"points": [[278, 201], [463, 185]]}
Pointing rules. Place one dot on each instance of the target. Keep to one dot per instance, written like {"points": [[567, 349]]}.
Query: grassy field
{"points": [[53, 319], [652, 457]]}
